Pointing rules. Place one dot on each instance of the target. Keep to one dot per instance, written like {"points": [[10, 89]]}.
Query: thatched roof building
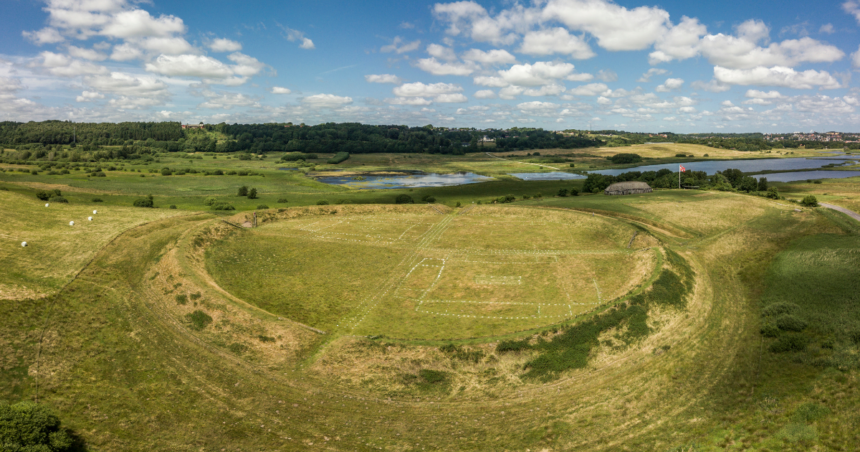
{"points": [[627, 188]]}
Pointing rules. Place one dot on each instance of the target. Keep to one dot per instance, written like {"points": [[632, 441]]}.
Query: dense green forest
{"points": [[106, 134], [352, 138]]}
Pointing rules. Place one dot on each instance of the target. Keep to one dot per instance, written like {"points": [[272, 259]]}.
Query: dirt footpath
{"points": [[850, 213]]}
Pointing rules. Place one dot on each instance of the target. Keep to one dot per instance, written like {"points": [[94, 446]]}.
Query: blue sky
{"points": [[731, 66]]}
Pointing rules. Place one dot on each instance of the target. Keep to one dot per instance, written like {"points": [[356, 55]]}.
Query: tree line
{"points": [[353, 138]]}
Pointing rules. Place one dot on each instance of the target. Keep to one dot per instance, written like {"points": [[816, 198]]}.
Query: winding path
{"points": [[850, 213]]}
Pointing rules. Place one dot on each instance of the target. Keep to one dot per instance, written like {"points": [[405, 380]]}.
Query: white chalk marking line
{"points": [[495, 316], [517, 303], [599, 298], [437, 229]]}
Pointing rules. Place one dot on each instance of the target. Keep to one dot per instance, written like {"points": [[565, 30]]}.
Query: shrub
{"points": [[238, 348], [562, 192], [196, 296], [574, 192], [769, 330], [182, 299], [429, 199], [243, 191], [97, 200], [262, 207], [772, 193], [458, 204], [209, 201], [572, 165], [809, 201], [144, 202], [788, 322], [779, 308], [816, 182], [27, 426], [59, 199], [512, 346], [461, 354], [789, 343], [810, 412], [166, 172], [282, 200], [506, 199], [322, 203], [252, 193], [403, 199], [433, 376], [45, 195], [172, 206], [221, 205], [198, 320], [339, 157], [680, 155], [625, 158]]}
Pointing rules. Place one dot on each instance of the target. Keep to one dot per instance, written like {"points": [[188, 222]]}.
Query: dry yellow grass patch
{"points": [[63, 188], [265, 339], [669, 150], [710, 215]]}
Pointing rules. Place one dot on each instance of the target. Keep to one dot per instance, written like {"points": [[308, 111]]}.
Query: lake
{"points": [[804, 175], [406, 181], [747, 166], [554, 175]]}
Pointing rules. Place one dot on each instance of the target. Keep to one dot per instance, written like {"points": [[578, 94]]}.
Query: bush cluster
{"points": [[27, 426], [45, 195], [144, 202]]}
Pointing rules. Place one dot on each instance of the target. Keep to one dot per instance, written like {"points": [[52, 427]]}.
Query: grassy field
{"points": [[727, 322], [55, 250], [422, 275]]}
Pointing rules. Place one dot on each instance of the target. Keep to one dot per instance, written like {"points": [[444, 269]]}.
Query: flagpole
{"points": [[679, 177]]}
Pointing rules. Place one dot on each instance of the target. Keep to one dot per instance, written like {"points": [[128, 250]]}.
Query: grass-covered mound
{"points": [[422, 275]]}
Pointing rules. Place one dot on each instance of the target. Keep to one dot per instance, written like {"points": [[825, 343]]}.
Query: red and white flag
{"points": [[683, 169]]}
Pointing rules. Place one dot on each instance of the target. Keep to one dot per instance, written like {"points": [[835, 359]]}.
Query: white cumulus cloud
{"points": [[419, 89], [224, 45], [382, 78], [555, 40], [326, 101], [776, 76]]}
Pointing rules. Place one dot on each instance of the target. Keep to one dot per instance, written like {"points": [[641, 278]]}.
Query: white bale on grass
{"points": [[90, 218], [95, 212], [46, 205], [71, 223], [24, 244]]}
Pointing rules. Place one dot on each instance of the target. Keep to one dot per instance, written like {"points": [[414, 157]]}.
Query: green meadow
{"points": [[679, 320]]}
